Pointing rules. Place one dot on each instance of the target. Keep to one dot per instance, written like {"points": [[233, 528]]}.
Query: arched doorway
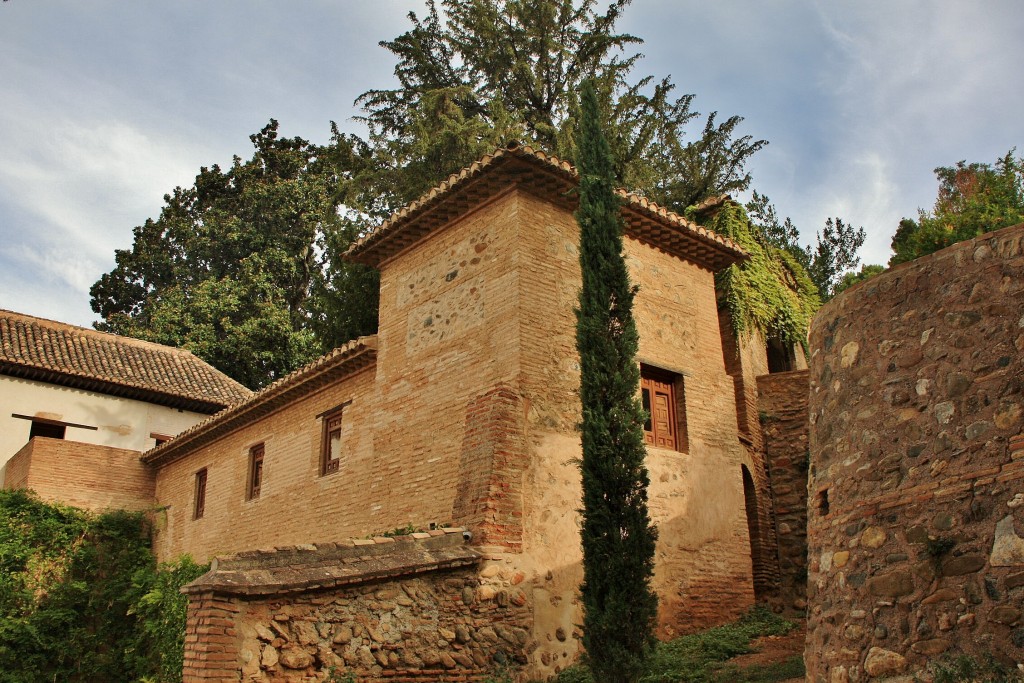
{"points": [[754, 531]]}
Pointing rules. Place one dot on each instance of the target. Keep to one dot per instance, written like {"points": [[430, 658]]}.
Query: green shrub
{"points": [[161, 611], [65, 591], [81, 597], [699, 657], [966, 668]]}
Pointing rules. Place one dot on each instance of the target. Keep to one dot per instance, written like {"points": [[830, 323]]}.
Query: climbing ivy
{"points": [[81, 597], [771, 291]]}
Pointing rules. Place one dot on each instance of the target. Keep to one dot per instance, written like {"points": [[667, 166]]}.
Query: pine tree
{"points": [[618, 537]]}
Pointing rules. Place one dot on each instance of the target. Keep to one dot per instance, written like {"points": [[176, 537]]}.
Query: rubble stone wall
{"points": [[783, 413], [917, 466], [401, 610]]}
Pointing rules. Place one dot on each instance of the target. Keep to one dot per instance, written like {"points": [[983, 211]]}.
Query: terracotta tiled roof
{"points": [[340, 363], [58, 353], [547, 176]]}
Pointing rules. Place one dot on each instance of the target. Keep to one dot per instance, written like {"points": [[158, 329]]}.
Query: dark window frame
{"points": [[199, 496], [331, 424], [160, 438], [254, 480], [670, 433], [330, 462], [47, 430]]}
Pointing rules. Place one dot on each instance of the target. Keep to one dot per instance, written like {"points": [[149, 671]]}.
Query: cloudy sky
{"points": [[106, 106]]}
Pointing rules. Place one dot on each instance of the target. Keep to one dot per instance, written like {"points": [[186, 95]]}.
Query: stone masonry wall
{"points": [[85, 475], [783, 411], [917, 457], [416, 608], [703, 572]]}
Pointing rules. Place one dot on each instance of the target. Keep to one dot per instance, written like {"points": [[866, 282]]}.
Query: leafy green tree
{"points": [[161, 611], [234, 267], [833, 253], [618, 538], [973, 199], [485, 71], [850, 279], [244, 268]]}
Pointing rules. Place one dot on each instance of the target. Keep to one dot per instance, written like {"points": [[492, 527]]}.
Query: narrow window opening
{"points": [[199, 509], [47, 430], [255, 472], [758, 559], [781, 357], [330, 449], [823, 502]]}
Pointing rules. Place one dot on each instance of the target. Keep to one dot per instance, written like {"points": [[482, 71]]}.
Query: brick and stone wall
{"points": [[416, 608], [783, 414], [469, 417], [84, 475], [703, 573], [917, 478]]}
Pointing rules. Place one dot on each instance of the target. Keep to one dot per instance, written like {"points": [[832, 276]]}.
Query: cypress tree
{"points": [[618, 537]]}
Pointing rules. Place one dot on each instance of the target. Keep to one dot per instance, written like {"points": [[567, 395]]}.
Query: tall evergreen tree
{"points": [[618, 537]]}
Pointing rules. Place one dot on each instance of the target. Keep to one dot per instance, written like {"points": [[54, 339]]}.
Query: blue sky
{"points": [[106, 106]]}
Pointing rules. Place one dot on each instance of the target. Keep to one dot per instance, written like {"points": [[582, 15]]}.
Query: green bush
{"points": [[161, 608], [965, 668], [81, 597], [699, 657]]}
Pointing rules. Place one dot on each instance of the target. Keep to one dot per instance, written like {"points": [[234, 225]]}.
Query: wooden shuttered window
{"points": [[255, 472], [199, 506], [330, 447], [330, 440], [661, 393]]}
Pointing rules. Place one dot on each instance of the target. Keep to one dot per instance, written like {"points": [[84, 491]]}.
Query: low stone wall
{"points": [[782, 401], [406, 609], [917, 466]]}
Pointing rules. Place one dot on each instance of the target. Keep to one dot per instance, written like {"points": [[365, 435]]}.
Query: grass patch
{"points": [[700, 657], [966, 668], [769, 673]]}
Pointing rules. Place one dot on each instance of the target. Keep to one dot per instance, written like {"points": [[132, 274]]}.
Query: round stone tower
{"points": [[916, 488]]}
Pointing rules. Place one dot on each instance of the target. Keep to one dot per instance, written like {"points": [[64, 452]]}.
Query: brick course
{"points": [[83, 475]]}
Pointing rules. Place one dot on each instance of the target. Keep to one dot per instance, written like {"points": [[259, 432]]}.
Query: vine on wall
{"points": [[82, 599], [771, 291]]}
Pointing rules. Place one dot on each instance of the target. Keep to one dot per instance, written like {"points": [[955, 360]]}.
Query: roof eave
{"points": [[420, 218], [343, 362], [100, 386]]}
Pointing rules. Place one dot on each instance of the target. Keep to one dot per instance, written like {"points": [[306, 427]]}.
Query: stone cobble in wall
{"points": [[416, 608], [917, 478], [783, 402]]}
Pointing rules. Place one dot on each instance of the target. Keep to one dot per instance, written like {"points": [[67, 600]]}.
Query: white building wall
{"points": [[119, 422]]}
